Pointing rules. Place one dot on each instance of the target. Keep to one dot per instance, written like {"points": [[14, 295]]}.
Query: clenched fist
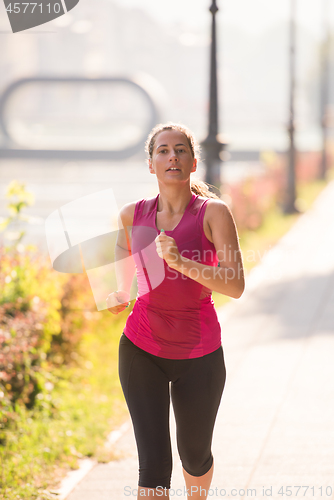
{"points": [[117, 302], [167, 249]]}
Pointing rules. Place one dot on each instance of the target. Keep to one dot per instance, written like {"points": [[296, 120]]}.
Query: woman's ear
{"points": [[150, 166], [194, 168]]}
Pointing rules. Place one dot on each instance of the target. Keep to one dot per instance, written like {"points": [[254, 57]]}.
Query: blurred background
{"points": [[170, 48], [165, 51]]}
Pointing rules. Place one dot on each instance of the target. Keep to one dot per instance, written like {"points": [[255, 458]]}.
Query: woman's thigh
{"points": [[146, 390], [196, 396]]}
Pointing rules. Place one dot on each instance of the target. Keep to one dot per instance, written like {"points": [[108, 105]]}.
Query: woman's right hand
{"points": [[117, 301]]}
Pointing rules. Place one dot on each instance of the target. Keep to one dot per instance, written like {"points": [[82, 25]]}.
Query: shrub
{"points": [[252, 197], [29, 317], [41, 322], [41, 314]]}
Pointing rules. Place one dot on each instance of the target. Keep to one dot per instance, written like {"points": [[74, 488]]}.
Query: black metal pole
{"points": [[324, 98], [211, 145], [289, 205]]}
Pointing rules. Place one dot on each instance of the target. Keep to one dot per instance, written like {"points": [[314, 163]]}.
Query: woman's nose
{"points": [[173, 156]]}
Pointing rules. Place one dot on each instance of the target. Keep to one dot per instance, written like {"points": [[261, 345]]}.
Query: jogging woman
{"points": [[171, 345]]}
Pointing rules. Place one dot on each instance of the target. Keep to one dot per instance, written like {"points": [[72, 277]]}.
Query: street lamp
{"points": [[212, 146], [324, 98], [290, 198]]}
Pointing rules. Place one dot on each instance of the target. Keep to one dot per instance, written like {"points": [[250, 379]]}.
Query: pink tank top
{"points": [[173, 316]]}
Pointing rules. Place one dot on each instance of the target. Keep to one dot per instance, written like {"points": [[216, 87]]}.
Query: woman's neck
{"points": [[174, 201]]}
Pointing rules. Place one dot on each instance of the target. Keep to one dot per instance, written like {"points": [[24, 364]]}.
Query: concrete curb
{"points": [[74, 477]]}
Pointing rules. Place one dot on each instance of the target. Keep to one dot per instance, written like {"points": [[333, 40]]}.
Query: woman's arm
{"points": [[227, 279], [124, 263]]}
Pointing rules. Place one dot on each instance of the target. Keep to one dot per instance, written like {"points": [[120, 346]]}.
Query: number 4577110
{"points": [[30, 7]]}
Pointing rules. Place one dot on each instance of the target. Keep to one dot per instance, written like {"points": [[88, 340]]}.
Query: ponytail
{"points": [[202, 189]]}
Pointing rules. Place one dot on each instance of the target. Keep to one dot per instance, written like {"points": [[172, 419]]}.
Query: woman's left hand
{"points": [[167, 249]]}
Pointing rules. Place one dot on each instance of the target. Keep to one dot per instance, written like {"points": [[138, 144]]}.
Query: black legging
{"points": [[196, 388]]}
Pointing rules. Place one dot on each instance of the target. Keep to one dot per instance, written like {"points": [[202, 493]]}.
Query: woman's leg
{"points": [[198, 487], [146, 390], [196, 395]]}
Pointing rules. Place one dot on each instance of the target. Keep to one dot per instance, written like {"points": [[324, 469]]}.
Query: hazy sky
{"points": [[253, 15]]}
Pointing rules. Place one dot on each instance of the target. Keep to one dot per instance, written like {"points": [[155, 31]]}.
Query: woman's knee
{"points": [[195, 464]]}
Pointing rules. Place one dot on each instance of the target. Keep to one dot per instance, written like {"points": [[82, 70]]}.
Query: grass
{"points": [[42, 446]]}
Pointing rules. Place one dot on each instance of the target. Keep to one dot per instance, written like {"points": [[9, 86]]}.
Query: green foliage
{"points": [[30, 315], [52, 409], [19, 198], [40, 313]]}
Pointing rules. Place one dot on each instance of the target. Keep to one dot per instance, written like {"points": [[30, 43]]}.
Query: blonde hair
{"points": [[197, 186]]}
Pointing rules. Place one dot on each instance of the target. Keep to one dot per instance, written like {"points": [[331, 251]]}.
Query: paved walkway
{"points": [[275, 426]]}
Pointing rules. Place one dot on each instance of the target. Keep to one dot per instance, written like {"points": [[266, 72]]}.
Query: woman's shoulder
{"points": [[216, 209], [127, 212], [215, 205]]}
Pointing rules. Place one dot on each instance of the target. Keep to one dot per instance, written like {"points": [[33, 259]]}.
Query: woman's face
{"points": [[172, 159]]}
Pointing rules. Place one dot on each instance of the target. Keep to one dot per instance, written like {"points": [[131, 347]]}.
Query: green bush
{"points": [[37, 326], [53, 407], [41, 316]]}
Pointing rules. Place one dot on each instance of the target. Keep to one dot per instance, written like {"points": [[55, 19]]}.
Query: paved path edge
{"points": [[74, 477]]}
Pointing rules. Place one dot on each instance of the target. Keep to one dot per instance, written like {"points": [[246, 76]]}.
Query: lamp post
{"points": [[324, 98], [212, 146], [290, 198]]}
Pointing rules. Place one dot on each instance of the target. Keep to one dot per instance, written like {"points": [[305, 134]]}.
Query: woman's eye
{"points": [[181, 150]]}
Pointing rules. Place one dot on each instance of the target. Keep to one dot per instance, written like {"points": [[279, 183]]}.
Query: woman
{"points": [[172, 335]]}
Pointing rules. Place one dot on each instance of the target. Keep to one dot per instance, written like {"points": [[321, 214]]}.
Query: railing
{"points": [[11, 147]]}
